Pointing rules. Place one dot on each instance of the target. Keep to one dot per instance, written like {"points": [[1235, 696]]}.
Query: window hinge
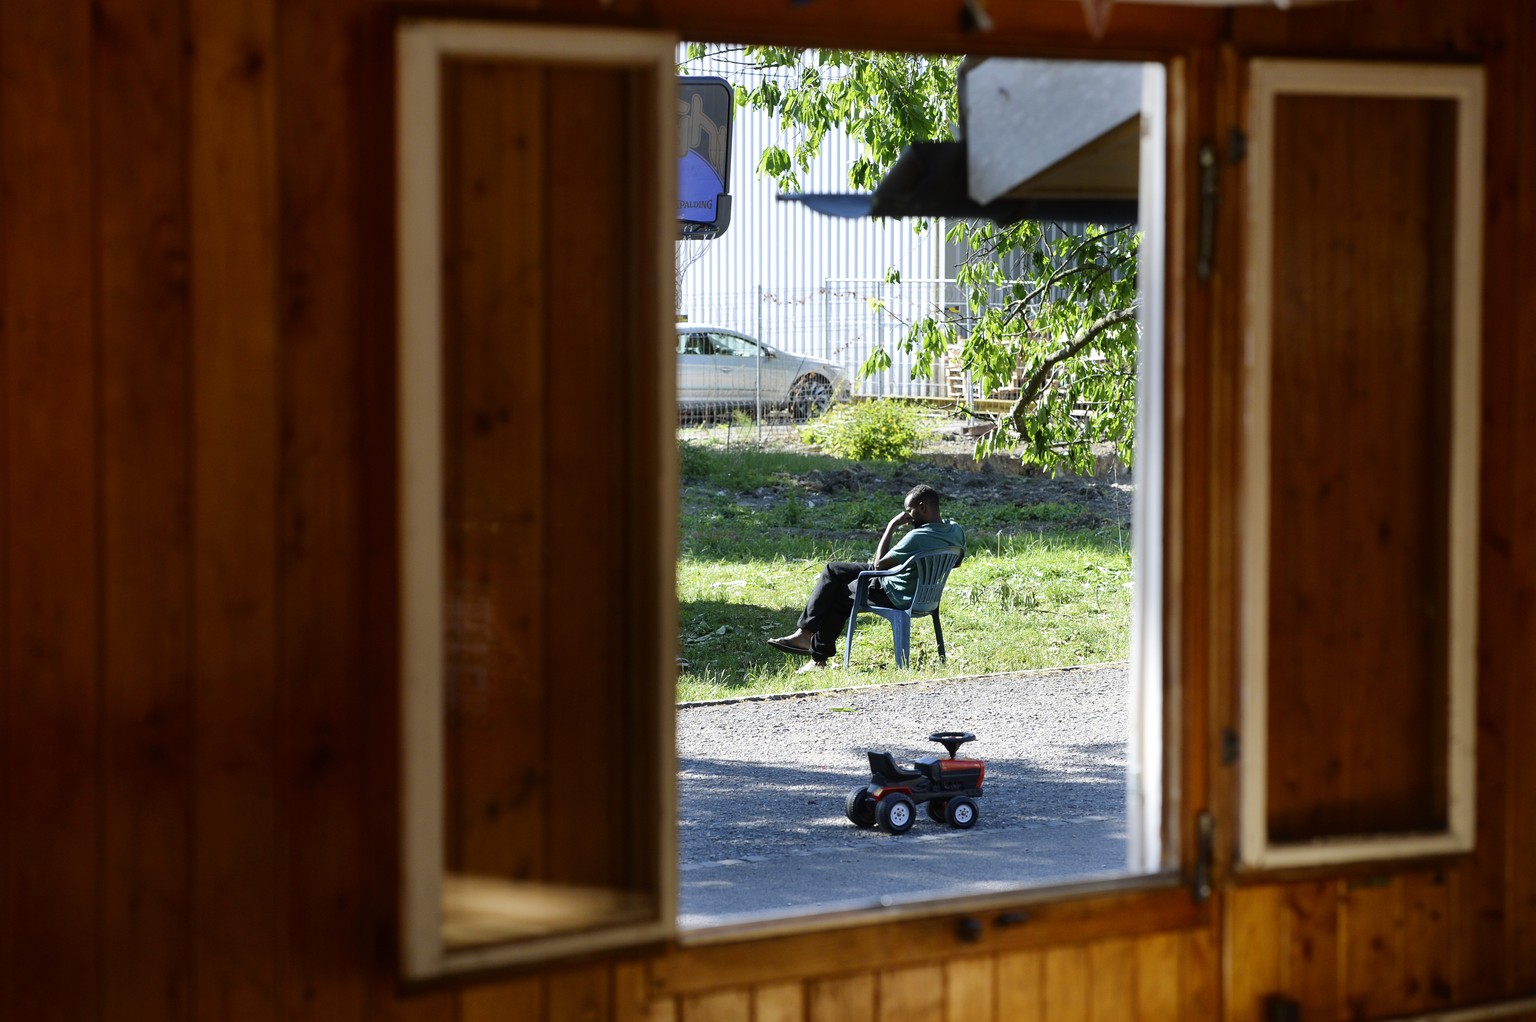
{"points": [[1205, 838], [1237, 145], [1209, 175], [1231, 746]]}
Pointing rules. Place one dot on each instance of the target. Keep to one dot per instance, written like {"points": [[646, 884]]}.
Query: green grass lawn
{"points": [[1042, 585]]}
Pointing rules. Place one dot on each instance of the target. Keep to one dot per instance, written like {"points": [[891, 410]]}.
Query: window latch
{"points": [[1205, 831], [1231, 746], [1209, 174]]}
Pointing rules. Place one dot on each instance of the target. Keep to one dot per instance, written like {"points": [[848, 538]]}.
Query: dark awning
{"points": [[929, 180]]}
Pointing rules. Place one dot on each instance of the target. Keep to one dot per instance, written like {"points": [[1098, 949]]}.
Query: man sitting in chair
{"points": [[826, 612]]}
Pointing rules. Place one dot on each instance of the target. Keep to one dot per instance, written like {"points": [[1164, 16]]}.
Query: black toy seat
{"points": [[882, 765]]}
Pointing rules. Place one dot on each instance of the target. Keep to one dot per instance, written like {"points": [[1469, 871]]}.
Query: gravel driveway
{"points": [[761, 787]]}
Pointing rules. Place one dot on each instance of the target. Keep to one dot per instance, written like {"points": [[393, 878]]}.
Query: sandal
{"points": [[784, 645]]}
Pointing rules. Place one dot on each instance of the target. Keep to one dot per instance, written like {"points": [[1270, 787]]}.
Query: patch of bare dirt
{"points": [[948, 462]]}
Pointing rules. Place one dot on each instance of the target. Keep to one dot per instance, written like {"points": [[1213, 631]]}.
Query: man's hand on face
{"points": [[904, 518]]}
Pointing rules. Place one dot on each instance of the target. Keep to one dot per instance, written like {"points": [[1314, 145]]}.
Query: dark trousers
{"points": [[826, 612]]}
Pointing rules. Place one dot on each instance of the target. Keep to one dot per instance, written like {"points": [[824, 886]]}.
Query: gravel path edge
{"points": [[764, 697]]}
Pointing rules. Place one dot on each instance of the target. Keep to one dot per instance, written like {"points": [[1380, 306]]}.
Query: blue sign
{"points": [[704, 108]]}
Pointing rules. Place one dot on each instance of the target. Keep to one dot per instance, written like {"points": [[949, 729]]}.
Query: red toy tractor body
{"points": [[947, 787]]}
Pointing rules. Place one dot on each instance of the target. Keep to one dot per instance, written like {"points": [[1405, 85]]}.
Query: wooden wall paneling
{"points": [[236, 913], [139, 122], [1113, 980], [51, 928], [1214, 385], [842, 999], [778, 1002], [1253, 957], [1356, 674], [320, 684], [1305, 712], [1019, 982], [1429, 942], [1370, 917], [495, 457], [970, 989], [1522, 693], [371, 62], [579, 994], [915, 941], [720, 1006], [911, 993], [632, 1001], [1065, 983], [867, 24], [1189, 720], [10, 932], [500, 1002], [589, 337], [1159, 977], [1433, 30], [1309, 922], [1200, 990], [1481, 883]]}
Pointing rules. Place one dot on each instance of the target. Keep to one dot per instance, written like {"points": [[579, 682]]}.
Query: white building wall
{"points": [[803, 281]]}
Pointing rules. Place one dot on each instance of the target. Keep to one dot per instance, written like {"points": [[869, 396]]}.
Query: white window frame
{"points": [[422, 48], [1269, 79], [1150, 789]]}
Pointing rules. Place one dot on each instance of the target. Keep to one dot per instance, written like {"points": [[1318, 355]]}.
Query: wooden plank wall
{"points": [[197, 702], [538, 541], [1360, 427]]}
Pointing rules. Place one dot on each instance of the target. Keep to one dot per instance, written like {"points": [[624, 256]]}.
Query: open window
{"points": [[1361, 460], [537, 554], [1073, 150]]}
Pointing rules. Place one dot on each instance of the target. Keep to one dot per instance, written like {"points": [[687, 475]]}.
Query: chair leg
{"points": [[853, 618], [901, 634], [938, 635]]}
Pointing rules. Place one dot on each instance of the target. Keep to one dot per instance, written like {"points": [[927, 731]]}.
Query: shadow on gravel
{"points": [[763, 838]]}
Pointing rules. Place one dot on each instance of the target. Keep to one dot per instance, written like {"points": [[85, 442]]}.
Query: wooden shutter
{"points": [[535, 368], [1362, 337]]}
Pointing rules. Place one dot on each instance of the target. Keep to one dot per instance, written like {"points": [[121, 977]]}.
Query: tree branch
{"points": [[1066, 266], [1037, 380]]}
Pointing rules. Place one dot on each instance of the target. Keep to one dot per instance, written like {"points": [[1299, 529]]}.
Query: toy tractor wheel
{"points": [[860, 808], [896, 814], [938, 810], [962, 812]]}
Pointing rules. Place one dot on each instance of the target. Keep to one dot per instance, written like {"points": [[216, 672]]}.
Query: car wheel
{"points": [[860, 808], [896, 814], [962, 812], [810, 396], [938, 810]]}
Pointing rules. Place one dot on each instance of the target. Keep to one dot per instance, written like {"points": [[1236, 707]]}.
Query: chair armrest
{"points": [[904, 565], [889, 571]]}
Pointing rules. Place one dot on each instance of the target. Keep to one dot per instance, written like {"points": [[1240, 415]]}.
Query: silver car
{"points": [[719, 370]]}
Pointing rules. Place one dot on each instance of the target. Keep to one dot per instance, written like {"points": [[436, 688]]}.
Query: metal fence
{"points": [[843, 322]]}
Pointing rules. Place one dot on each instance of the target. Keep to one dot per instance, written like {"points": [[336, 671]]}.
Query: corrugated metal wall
{"points": [[803, 281]]}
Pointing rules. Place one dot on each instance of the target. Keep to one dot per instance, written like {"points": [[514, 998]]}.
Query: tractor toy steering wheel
{"points": [[952, 740]]}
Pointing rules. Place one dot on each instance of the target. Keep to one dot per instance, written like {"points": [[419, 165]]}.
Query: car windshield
{"points": [[731, 344]]}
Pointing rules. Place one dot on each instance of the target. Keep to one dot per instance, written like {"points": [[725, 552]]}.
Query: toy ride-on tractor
{"points": [[948, 787]]}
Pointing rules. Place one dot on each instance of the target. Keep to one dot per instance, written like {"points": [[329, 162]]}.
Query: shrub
{"points": [[693, 460], [870, 430]]}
